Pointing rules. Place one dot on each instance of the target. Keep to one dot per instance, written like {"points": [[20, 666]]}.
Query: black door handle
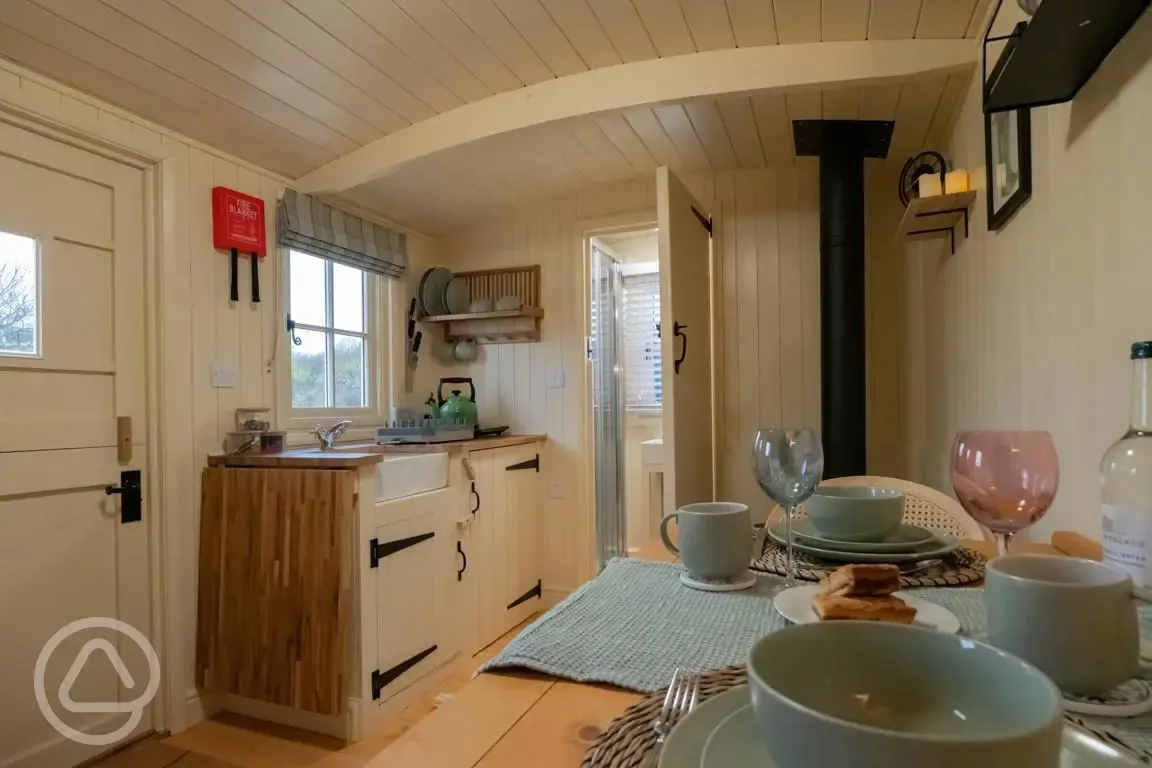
{"points": [[476, 493], [464, 567], [130, 498], [677, 330]]}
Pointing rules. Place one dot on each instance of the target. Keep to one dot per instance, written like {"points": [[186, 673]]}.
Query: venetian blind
{"points": [[642, 387]]}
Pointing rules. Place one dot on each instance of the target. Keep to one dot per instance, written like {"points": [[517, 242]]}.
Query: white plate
{"points": [[937, 547], [795, 604], [685, 746], [691, 743]]}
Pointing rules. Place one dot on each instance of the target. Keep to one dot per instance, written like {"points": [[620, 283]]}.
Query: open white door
{"points": [[685, 342]]}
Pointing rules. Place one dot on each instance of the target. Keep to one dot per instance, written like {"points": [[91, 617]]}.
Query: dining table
{"points": [[524, 719]]}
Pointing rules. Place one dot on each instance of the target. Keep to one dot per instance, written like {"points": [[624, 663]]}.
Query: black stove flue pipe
{"points": [[842, 146]]}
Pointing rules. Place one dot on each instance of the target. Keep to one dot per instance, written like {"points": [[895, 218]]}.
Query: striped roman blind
{"points": [[306, 224]]}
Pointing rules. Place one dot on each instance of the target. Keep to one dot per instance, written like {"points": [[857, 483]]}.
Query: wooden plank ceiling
{"points": [[292, 84]]}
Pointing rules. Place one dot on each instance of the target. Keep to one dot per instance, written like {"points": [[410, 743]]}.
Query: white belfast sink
{"points": [[400, 476]]}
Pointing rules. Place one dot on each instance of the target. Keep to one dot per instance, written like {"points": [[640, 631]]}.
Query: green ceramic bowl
{"points": [[856, 694], [855, 512]]}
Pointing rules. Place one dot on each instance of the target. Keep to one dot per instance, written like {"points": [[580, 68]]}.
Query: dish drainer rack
{"points": [[424, 431]]}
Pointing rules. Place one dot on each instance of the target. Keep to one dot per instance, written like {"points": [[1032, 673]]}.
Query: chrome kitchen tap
{"points": [[328, 435]]}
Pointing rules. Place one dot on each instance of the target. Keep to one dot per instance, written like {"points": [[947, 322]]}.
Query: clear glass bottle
{"points": [[1126, 480]]}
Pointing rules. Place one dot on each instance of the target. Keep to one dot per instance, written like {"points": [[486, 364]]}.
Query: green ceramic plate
{"points": [[685, 745], [906, 538], [736, 743], [722, 732], [937, 547]]}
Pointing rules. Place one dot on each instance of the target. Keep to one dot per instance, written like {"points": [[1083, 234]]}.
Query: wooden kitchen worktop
{"points": [[299, 458], [460, 446], [360, 454]]}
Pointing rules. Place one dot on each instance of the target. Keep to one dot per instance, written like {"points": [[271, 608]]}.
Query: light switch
{"points": [[556, 378], [223, 375]]}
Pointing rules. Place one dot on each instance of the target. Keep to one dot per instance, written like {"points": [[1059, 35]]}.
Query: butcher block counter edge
{"points": [[309, 458], [362, 454], [461, 446]]}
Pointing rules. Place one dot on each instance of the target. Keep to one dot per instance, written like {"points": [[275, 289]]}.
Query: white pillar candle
{"points": [[929, 185]]}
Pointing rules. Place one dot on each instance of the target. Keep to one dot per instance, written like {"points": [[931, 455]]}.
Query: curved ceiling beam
{"points": [[644, 83]]}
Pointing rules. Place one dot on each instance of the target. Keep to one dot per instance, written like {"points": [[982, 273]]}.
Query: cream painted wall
{"points": [[768, 361], [198, 324], [1030, 327]]}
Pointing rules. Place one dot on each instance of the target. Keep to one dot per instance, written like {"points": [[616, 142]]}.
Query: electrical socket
{"points": [[555, 489]]}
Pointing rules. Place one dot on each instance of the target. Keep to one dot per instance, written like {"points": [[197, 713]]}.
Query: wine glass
{"points": [[1006, 480], [789, 464]]}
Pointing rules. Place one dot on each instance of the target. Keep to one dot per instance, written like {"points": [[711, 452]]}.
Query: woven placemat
{"points": [[630, 737], [963, 566]]}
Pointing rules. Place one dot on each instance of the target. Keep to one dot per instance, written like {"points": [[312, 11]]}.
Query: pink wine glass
{"points": [[1005, 480]]}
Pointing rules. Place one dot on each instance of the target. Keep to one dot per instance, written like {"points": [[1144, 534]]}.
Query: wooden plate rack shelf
{"points": [[500, 326]]}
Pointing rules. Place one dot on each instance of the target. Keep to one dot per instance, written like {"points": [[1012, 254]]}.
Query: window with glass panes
{"points": [[329, 304], [643, 386]]}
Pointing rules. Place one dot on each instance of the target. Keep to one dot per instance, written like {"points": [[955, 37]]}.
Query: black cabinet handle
{"points": [[464, 567], [677, 330], [475, 493]]}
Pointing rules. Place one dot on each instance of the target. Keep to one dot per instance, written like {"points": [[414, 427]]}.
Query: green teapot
{"points": [[457, 408]]}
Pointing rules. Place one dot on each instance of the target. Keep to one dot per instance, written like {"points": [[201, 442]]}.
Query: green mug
{"points": [[715, 539], [1073, 619]]}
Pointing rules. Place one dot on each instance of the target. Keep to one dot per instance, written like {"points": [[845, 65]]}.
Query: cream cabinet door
{"points": [[416, 566], [523, 558], [506, 536], [685, 342], [71, 362]]}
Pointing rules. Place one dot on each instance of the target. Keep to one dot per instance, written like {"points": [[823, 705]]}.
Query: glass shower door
{"points": [[606, 347]]}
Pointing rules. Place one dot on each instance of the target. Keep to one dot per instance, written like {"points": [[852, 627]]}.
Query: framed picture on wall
{"points": [[1008, 158]]}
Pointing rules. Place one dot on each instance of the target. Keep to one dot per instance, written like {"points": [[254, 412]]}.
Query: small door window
{"points": [[19, 295]]}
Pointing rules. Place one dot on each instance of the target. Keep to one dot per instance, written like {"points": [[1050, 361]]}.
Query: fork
{"points": [[683, 694]]}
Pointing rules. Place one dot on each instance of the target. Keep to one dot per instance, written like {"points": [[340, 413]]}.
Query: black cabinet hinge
{"points": [[378, 551], [534, 592], [381, 679], [530, 464]]}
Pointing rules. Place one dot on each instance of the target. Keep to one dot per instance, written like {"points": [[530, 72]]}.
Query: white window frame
{"points": [[629, 351], [38, 290], [375, 335]]}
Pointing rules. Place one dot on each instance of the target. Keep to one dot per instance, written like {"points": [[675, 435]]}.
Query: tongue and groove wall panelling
{"points": [[766, 280]]}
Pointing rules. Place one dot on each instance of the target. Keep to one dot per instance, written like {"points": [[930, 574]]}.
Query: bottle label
{"points": [[1126, 540]]}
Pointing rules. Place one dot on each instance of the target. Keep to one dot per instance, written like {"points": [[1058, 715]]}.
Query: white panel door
{"points": [[71, 362], [685, 342]]}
